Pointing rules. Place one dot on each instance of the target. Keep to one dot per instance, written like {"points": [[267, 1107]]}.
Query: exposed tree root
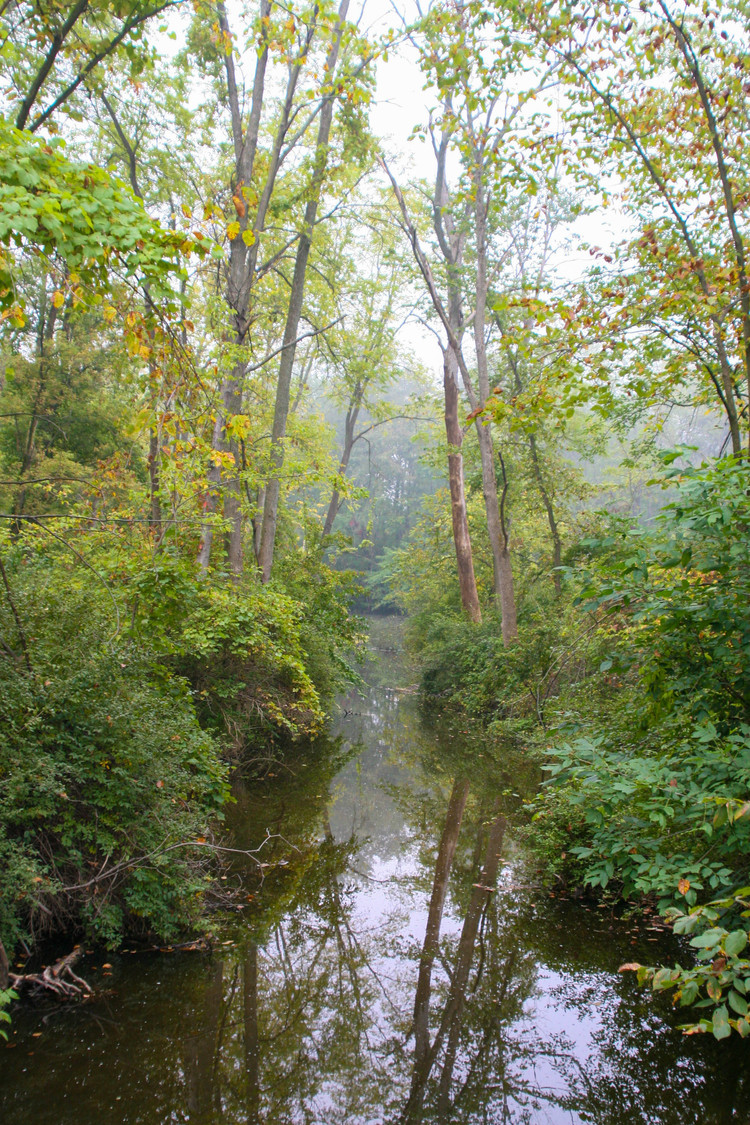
{"points": [[59, 980]]}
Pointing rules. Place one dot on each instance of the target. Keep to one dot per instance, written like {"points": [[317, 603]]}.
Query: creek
{"points": [[395, 961]]}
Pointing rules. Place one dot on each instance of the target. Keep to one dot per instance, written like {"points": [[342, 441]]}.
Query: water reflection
{"points": [[399, 968]]}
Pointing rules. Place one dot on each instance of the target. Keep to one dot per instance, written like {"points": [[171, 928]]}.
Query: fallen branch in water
{"points": [[58, 979]]}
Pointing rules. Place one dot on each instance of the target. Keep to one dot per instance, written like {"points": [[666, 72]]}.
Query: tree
{"points": [[451, 319], [361, 356], [655, 106]]}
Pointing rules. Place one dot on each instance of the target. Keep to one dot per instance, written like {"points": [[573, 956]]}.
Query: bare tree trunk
{"points": [[497, 525], [231, 398], [333, 508], [461, 538], [549, 509], [294, 312], [258, 523], [451, 245], [239, 286]]}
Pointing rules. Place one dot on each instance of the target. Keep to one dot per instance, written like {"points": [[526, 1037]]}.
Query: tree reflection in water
{"points": [[399, 968]]}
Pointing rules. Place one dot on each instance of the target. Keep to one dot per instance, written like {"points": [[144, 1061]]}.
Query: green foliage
{"points": [[469, 667], [656, 785], [719, 981], [106, 779], [86, 225], [681, 593], [7, 995], [653, 813]]}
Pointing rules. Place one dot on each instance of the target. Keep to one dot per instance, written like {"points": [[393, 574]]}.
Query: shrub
{"points": [[106, 779]]}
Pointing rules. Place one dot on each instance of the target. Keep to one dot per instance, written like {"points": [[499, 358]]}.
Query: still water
{"points": [[398, 963]]}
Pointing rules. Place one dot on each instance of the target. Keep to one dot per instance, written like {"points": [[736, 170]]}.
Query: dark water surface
{"points": [[335, 997]]}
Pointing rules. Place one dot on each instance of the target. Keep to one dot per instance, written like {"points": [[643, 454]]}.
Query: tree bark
{"points": [[461, 537], [451, 245], [349, 424], [549, 509], [238, 292], [294, 312], [497, 525]]}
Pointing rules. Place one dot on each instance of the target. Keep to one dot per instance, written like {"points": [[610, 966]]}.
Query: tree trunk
{"points": [[294, 312], [451, 245], [333, 508], [238, 291], [461, 538], [231, 399], [497, 525], [549, 509]]}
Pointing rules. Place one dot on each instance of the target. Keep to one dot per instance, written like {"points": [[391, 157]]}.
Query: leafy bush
{"points": [[662, 788], [106, 779], [468, 666], [663, 823], [262, 660], [720, 978]]}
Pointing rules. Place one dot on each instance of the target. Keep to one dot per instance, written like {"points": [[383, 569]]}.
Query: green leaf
{"points": [[720, 1023], [735, 942], [737, 1003]]}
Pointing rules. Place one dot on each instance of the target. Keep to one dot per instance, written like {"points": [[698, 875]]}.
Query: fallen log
{"points": [[58, 979]]}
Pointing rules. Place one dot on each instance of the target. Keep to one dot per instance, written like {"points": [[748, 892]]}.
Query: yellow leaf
{"points": [[233, 230], [248, 237], [58, 299]]}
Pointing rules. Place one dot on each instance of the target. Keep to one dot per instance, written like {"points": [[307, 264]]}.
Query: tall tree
{"points": [[294, 309], [451, 318]]}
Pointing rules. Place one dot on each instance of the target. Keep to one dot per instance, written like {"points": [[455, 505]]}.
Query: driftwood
{"points": [[59, 980]]}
